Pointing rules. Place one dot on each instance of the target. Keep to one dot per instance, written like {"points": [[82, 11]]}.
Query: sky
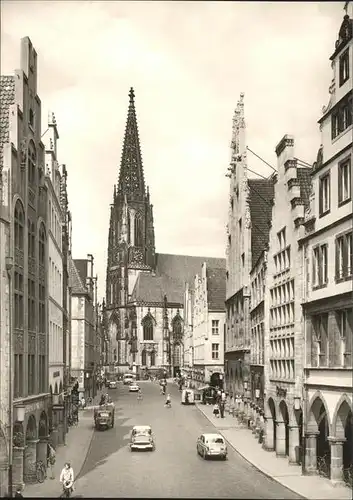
{"points": [[188, 62]]}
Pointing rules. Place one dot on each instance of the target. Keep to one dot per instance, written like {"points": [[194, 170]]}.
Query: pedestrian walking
{"points": [[221, 409], [18, 493], [216, 410], [51, 459]]}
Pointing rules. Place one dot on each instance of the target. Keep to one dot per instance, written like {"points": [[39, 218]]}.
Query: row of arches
{"points": [[284, 432]]}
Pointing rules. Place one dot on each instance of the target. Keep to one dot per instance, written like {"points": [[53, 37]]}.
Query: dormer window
{"points": [[31, 118], [344, 67]]}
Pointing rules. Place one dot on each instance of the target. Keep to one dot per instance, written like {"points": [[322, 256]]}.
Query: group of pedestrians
{"points": [[220, 403]]}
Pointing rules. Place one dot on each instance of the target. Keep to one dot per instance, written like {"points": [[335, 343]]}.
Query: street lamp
{"points": [[297, 403], [20, 413]]}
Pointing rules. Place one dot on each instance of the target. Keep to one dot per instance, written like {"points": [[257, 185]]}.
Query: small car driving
{"points": [[212, 445], [142, 438], [134, 387], [113, 384]]}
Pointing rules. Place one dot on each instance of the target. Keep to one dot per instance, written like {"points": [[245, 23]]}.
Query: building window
{"points": [[18, 375], [31, 305], [138, 232], [320, 340], [41, 245], [42, 374], [32, 163], [144, 358], [215, 327], [344, 181], [153, 358], [148, 329], [31, 373], [31, 118], [281, 237], [324, 194], [31, 239], [18, 300], [344, 256], [344, 67], [344, 322], [19, 226], [41, 319], [215, 351], [320, 277], [341, 117]]}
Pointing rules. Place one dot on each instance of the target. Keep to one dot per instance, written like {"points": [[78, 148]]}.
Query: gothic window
{"points": [[41, 245], [32, 158], [153, 358], [19, 226], [147, 328], [138, 232], [18, 299], [144, 358], [31, 239], [177, 355], [128, 228], [177, 329]]}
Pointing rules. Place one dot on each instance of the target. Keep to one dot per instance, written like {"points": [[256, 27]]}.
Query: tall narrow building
{"points": [[144, 289]]}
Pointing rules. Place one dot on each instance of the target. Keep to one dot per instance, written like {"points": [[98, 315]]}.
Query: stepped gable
{"points": [[172, 272], [216, 288], [7, 98], [260, 201]]}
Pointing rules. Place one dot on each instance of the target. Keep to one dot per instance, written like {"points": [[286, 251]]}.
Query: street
{"points": [[174, 469]]}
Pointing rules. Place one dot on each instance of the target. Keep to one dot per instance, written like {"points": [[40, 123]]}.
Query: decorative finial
{"points": [[131, 95]]}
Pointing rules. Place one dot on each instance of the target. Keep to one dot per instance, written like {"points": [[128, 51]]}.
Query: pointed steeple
{"points": [[131, 179]]}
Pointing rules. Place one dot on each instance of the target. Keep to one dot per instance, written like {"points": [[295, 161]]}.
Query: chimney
{"points": [[285, 149]]}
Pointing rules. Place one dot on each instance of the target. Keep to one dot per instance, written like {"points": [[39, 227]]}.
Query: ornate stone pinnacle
{"points": [[132, 95]]}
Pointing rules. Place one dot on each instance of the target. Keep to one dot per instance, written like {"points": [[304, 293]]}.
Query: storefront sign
{"points": [[32, 407]]}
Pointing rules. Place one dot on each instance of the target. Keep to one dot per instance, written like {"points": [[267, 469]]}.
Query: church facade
{"points": [[144, 289]]}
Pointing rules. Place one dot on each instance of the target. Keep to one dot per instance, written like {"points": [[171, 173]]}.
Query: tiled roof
{"points": [[261, 198], [172, 272], [75, 281], [216, 288], [304, 177], [81, 266], [7, 98]]}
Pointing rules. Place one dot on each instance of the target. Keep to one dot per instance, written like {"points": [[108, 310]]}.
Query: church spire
{"points": [[131, 179]]}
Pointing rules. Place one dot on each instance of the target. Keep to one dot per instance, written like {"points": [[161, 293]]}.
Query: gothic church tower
{"points": [[131, 246]]}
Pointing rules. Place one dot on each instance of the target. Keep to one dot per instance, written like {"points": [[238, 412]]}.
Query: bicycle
{"points": [[348, 476], [41, 471], [323, 465]]}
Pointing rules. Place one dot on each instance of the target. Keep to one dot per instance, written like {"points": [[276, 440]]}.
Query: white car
{"points": [[212, 445], [142, 438], [133, 387], [113, 384]]}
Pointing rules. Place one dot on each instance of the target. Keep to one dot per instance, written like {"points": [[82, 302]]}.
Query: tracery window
{"points": [[31, 239], [144, 358], [19, 226], [147, 328], [32, 158], [153, 358], [138, 232]]}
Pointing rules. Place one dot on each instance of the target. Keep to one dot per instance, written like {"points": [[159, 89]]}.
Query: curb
{"points": [[247, 460], [86, 453]]}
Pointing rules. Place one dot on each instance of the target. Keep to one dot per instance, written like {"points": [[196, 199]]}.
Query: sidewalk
{"points": [[290, 476], [75, 450]]}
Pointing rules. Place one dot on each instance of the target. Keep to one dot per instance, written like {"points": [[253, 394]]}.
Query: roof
{"points": [[216, 288], [75, 281], [172, 272], [304, 177], [261, 200], [81, 266], [7, 98], [213, 435]]}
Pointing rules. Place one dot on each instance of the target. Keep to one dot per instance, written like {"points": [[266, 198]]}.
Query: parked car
{"points": [[142, 438], [134, 387], [212, 445]]}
